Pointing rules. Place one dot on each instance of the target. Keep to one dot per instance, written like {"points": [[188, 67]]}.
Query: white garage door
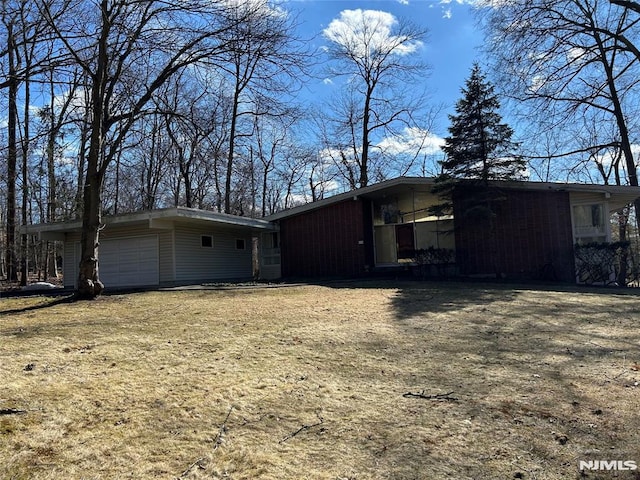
{"points": [[129, 262]]}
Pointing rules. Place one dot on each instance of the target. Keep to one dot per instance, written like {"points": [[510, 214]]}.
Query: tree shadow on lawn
{"points": [[415, 297], [542, 380], [39, 306]]}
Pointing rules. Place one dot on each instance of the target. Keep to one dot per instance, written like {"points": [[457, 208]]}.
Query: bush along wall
{"points": [[607, 263], [435, 262]]}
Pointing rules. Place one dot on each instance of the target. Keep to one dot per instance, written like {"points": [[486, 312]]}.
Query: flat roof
{"points": [[628, 193], [166, 214]]}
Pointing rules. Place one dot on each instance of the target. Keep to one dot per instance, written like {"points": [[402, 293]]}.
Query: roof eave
{"points": [[168, 214], [353, 194]]}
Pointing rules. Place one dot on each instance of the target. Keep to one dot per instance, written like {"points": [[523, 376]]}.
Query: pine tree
{"points": [[479, 150], [479, 147]]}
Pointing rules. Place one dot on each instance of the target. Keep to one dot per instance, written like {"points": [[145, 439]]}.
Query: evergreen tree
{"points": [[479, 150], [479, 147]]}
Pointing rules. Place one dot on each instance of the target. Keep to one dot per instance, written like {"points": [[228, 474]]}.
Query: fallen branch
{"points": [[437, 396], [197, 463], [302, 428], [222, 430], [12, 411], [219, 439]]}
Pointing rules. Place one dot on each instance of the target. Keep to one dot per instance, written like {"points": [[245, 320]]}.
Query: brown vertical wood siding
{"points": [[533, 238], [325, 242]]}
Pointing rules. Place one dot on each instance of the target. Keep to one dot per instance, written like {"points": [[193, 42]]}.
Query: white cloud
{"points": [[327, 81], [412, 140], [488, 3], [333, 155], [537, 83], [446, 13], [78, 101], [365, 31], [265, 8]]}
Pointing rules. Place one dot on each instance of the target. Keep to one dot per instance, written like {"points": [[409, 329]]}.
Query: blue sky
{"points": [[451, 47]]}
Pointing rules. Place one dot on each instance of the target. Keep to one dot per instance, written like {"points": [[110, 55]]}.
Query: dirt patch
{"points": [[364, 381]]}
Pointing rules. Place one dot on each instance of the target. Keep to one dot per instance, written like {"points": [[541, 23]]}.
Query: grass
{"points": [[360, 381]]}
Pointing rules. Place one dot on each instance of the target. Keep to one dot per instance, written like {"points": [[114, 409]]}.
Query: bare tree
{"points": [[375, 51], [127, 59], [263, 63], [54, 118], [566, 60], [9, 20], [25, 55], [272, 143]]}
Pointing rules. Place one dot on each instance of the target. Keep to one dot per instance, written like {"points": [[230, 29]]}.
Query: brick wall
{"points": [[533, 237], [324, 242]]}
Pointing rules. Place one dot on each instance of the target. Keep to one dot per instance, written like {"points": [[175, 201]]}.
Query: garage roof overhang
{"points": [[162, 219]]}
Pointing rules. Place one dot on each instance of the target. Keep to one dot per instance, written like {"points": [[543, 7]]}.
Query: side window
{"points": [[589, 223], [241, 244], [206, 241], [274, 238], [271, 249]]}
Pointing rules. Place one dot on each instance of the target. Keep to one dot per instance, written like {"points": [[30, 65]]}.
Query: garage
{"points": [[128, 262], [163, 247]]}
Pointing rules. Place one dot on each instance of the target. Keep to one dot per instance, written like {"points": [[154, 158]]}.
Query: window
{"points": [[271, 248], [240, 244], [589, 223], [271, 240], [206, 241]]}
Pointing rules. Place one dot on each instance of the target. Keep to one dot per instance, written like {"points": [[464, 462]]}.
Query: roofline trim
{"points": [[174, 213], [424, 181]]}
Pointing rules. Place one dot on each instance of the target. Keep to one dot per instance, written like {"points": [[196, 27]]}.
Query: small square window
{"points": [[240, 244], [206, 241]]}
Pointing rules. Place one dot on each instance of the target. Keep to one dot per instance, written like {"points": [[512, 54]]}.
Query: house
{"points": [[164, 247], [381, 226]]}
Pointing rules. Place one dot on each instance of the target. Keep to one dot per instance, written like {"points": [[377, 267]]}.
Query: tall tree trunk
{"points": [[625, 140], [82, 155], [232, 141], [364, 159], [89, 284], [12, 154], [50, 264], [24, 238]]}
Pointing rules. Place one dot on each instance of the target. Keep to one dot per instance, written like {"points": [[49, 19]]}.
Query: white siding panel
{"points": [[165, 250], [70, 261], [586, 197], [179, 257], [223, 261]]}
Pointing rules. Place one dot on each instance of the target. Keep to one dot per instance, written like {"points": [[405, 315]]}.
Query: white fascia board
{"points": [[161, 219]]}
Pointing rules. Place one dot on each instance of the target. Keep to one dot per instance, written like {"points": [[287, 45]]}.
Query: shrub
{"points": [[601, 263]]}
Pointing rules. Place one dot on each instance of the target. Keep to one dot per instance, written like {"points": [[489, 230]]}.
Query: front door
{"points": [[405, 241]]}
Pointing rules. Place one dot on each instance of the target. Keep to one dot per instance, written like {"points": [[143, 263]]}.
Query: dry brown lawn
{"points": [[352, 381]]}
